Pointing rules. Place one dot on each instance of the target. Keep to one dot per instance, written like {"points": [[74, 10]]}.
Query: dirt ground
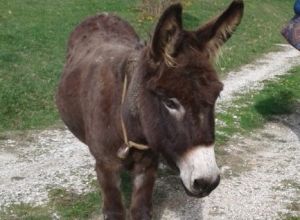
{"points": [[260, 172]]}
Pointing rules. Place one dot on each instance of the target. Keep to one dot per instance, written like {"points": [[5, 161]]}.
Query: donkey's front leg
{"points": [[109, 180], [144, 178]]}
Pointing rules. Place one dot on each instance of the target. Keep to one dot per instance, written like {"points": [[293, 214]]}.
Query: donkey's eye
{"points": [[172, 103], [174, 107]]}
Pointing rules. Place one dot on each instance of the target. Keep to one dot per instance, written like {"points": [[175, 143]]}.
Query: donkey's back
{"points": [[99, 30], [96, 48]]}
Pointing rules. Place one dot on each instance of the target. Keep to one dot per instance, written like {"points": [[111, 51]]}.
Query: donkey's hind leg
{"points": [[109, 180]]}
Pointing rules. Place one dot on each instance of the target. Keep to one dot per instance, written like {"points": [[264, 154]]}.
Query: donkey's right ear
{"points": [[165, 36], [217, 31]]}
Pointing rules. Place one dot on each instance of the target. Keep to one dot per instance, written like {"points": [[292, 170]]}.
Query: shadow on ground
{"points": [[282, 107], [171, 202]]}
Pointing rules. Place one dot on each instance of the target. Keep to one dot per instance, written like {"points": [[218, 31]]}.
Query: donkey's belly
{"points": [[68, 103]]}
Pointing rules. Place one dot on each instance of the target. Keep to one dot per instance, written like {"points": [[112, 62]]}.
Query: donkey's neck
{"points": [[133, 88], [130, 107]]}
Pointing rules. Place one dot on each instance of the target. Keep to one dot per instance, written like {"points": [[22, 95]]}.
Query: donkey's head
{"points": [[179, 91]]}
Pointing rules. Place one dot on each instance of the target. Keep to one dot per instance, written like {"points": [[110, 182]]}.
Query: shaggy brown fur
{"points": [[170, 73]]}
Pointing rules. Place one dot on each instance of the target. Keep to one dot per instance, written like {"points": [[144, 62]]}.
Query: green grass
{"points": [[34, 34], [252, 110], [292, 218], [65, 204], [126, 187], [26, 212], [33, 37], [70, 205]]}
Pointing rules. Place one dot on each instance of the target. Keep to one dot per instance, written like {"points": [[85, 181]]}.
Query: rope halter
{"points": [[124, 150]]}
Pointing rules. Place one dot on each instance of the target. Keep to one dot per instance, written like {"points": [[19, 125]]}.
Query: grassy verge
{"points": [[62, 205], [291, 218], [34, 33], [252, 110], [65, 205], [70, 205]]}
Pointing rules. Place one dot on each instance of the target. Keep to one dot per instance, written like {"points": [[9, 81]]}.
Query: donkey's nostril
{"points": [[205, 186], [200, 184]]}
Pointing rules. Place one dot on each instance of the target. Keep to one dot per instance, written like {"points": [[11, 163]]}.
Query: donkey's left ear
{"points": [[216, 32], [166, 33]]}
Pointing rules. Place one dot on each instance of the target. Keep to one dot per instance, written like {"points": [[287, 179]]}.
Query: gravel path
{"points": [[33, 163], [251, 75], [258, 182]]}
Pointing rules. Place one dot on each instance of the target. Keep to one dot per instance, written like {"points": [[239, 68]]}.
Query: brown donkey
{"points": [[130, 102]]}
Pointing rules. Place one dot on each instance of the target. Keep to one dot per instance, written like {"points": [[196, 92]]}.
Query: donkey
{"points": [[131, 102]]}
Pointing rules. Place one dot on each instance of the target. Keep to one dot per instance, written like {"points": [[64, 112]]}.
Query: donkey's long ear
{"points": [[217, 31], [165, 36]]}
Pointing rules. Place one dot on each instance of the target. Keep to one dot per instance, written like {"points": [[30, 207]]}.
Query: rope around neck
{"points": [[124, 150]]}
